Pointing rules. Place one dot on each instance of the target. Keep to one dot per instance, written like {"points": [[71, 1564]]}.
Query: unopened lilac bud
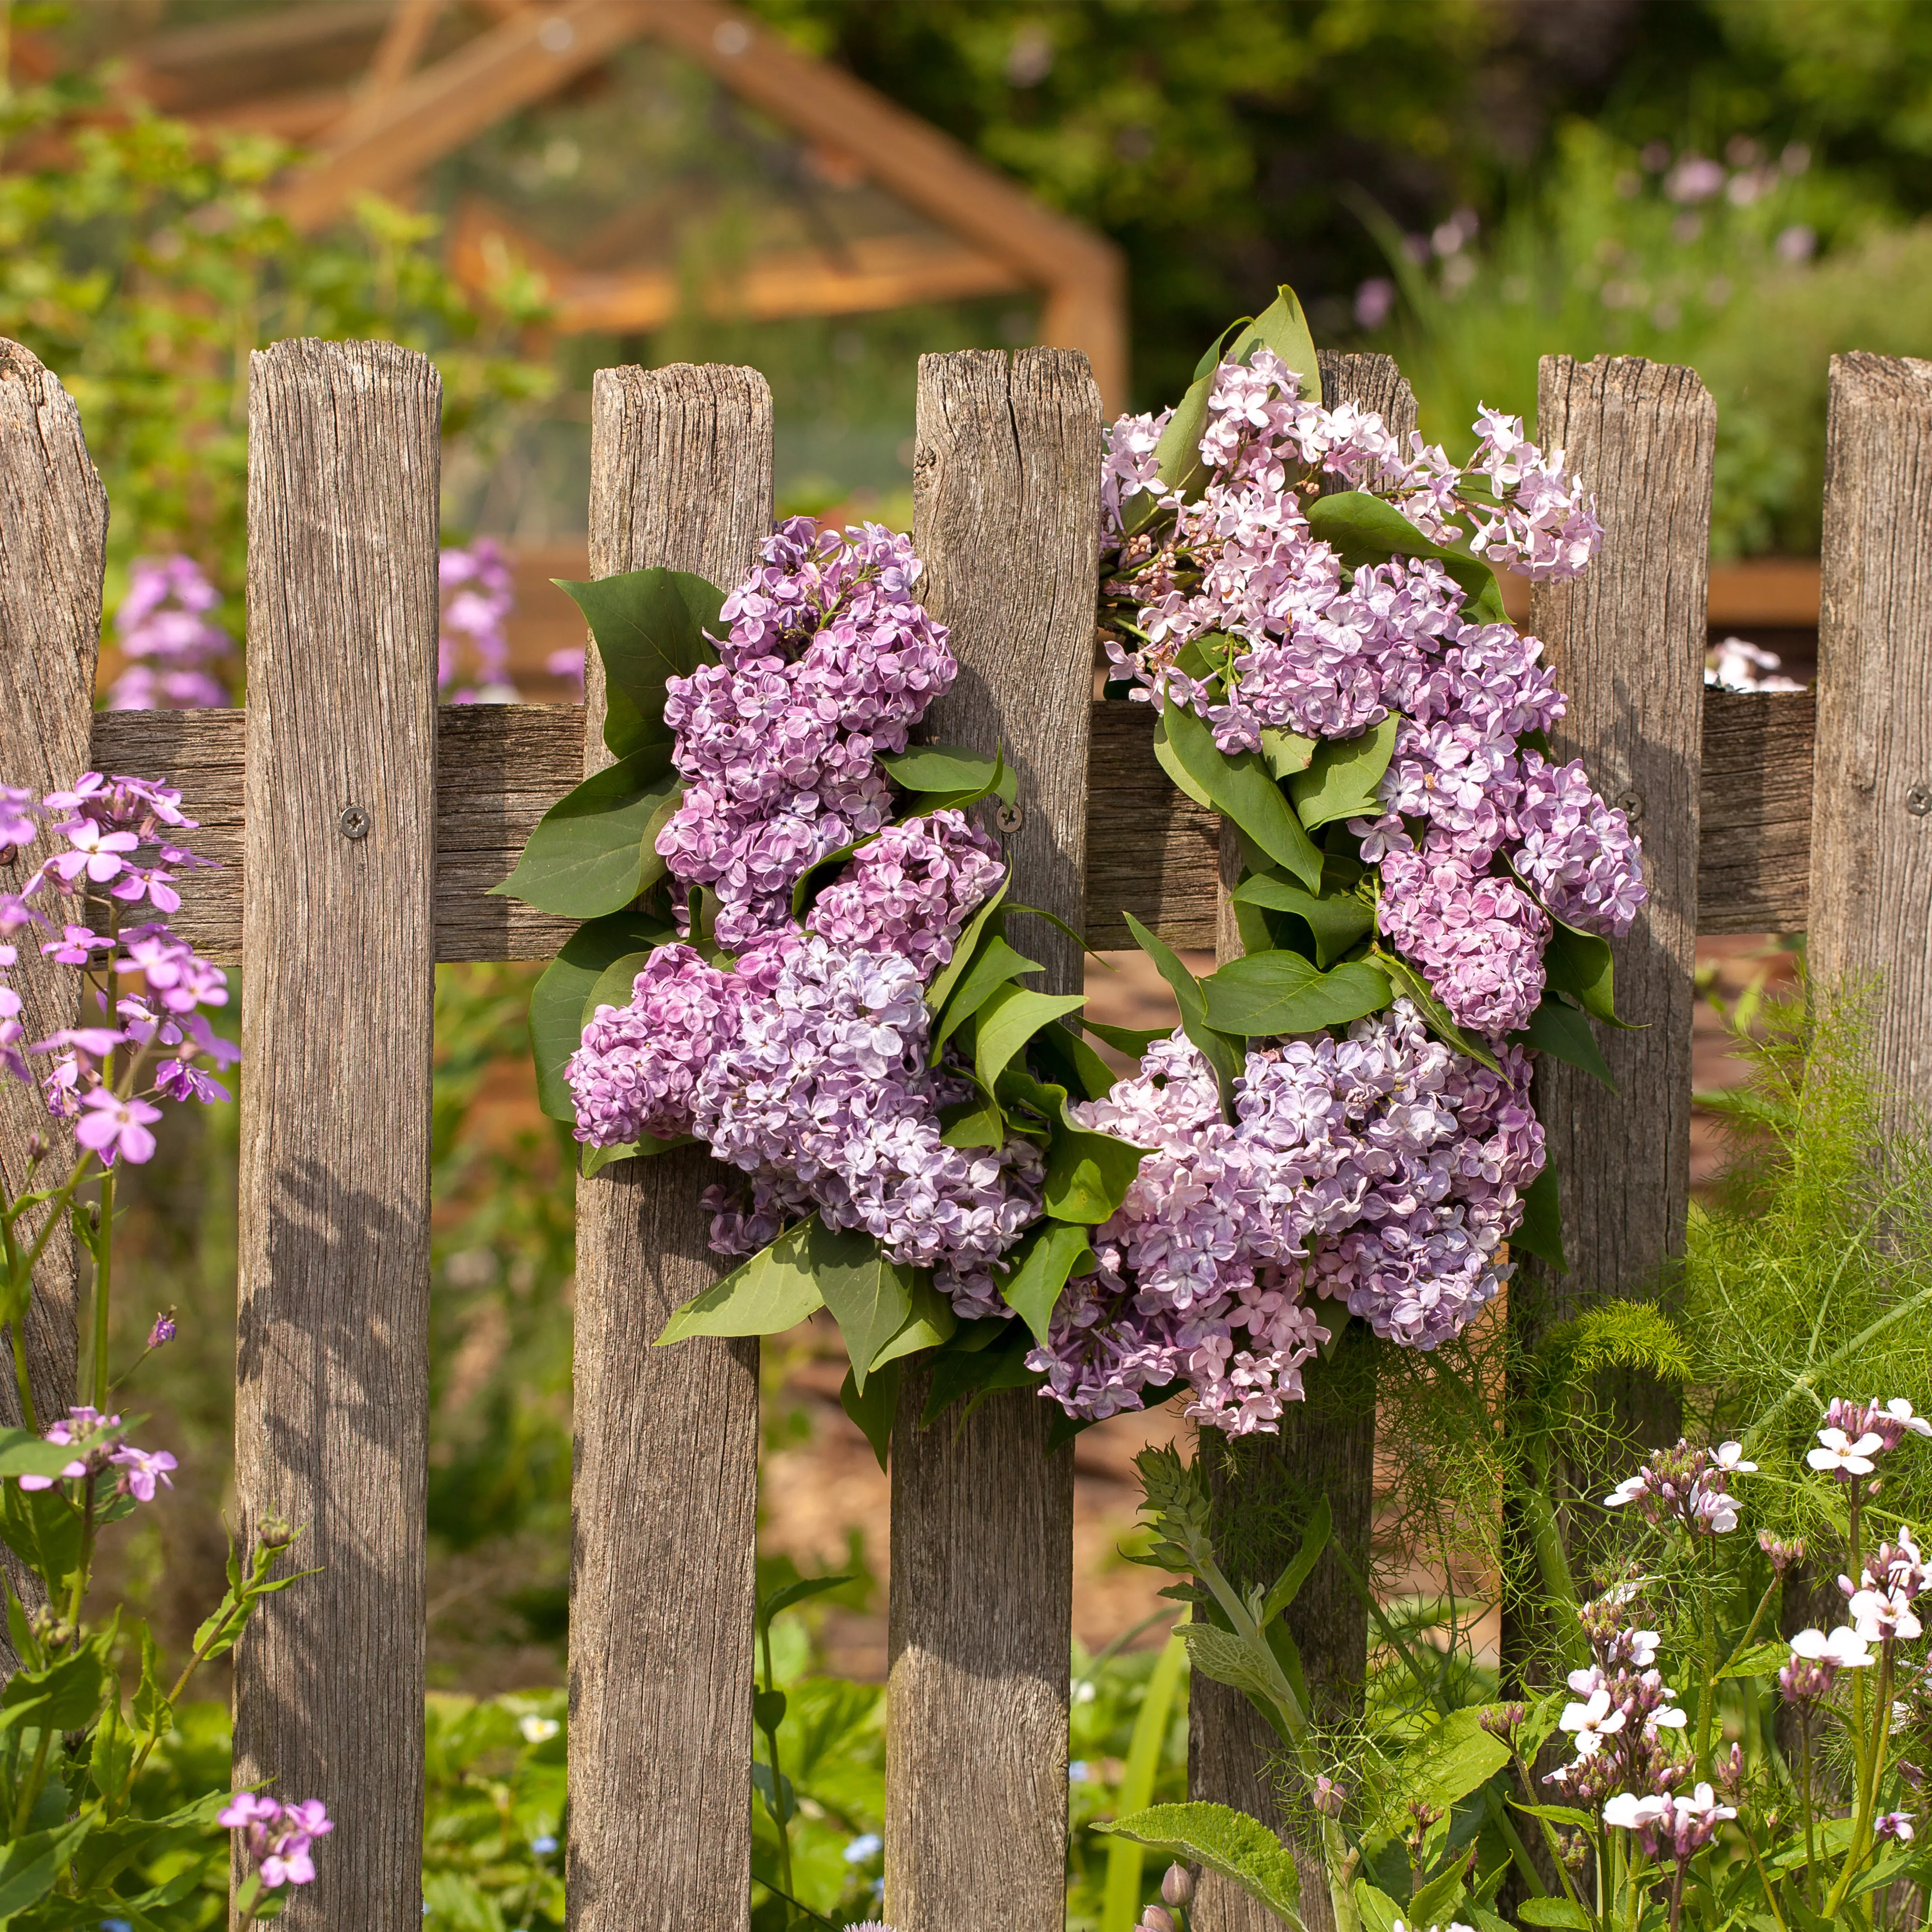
{"points": [[163, 1329], [1154, 1919], [1177, 1887]]}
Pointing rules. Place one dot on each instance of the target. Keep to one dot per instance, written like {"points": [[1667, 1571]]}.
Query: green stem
{"points": [[1810, 1836], [103, 1289], [780, 1811], [1763, 1877], [1874, 1774]]}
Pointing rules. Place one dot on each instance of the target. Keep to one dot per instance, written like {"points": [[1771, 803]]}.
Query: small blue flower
{"points": [[543, 1846], [116, 1925], [1077, 1772], [867, 1845]]}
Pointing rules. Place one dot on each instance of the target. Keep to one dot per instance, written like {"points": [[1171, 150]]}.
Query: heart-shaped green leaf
{"points": [[1564, 1034], [1008, 1017], [1242, 787], [1282, 327], [995, 964], [1337, 920], [1042, 1264], [649, 627], [595, 850], [1341, 778], [869, 1296], [776, 1290], [1270, 994], [1540, 1233]]}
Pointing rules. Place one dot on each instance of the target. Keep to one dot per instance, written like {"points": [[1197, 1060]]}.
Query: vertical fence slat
{"points": [[1326, 1448], [1005, 516], [53, 536], [1871, 823], [663, 1569], [338, 1003], [1627, 640]]}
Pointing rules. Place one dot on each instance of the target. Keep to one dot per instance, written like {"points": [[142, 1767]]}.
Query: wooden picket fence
{"points": [[361, 825]]}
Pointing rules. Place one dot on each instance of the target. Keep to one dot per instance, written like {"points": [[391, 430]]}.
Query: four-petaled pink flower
{"points": [[1844, 1649], [142, 1468], [113, 1127], [1843, 1457], [277, 1837]]}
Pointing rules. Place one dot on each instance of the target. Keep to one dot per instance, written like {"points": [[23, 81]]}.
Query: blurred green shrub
{"points": [[1754, 269]]}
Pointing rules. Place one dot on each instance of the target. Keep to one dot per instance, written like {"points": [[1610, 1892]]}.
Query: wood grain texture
{"points": [[1626, 640], [1754, 811], [1871, 839], [663, 1507], [1006, 517], [53, 536], [332, 1354], [1150, 849], [1326, 1447]]}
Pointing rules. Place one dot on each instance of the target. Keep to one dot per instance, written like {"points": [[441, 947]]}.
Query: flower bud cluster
{"points": [[1381, 1169], [827, 662], [1481, 840], [1690, 1487], [1880, 1601], [174, 649]]}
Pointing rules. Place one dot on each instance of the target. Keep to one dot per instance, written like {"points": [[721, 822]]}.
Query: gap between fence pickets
{"points": [[1150, 851]]}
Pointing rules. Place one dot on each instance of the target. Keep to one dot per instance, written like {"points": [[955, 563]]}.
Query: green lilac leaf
{"points": [[930, 1323], [1564, 1034], [1268, 994], [976, 1122], [1410, 985], [1579, 963], [1241, 787], [615, 986], [776, 1290], [1225, 1841], [1043, 1264], [875, 1408], [1370, 529], [1221, 1053], [818, 875], [869, 1295], [976, 1361], [1541, 1231], [649, 627], [1285, 753], [1087, 1172], [995, 964], [1341, 779], [1066, 1058], [1287, 1586], [1168, 760], [1282, 327], [595, 850], [940, 768], [1008, 1017], [557, 1003], [1133, 1041], [1337, 920], [963, 953]]}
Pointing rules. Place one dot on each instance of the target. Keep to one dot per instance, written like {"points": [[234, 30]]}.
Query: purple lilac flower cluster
{"points": [[1481, 841], [276, 1838], [472, 648], [113, 846], [804, 1062], [1383, 1170], [829, 660], [172, 644]]}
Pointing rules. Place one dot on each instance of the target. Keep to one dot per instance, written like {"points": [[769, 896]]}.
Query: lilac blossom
{"points": [[912, 890], [177, 653], [1477, 939], [1577, 852], [473, 649]]}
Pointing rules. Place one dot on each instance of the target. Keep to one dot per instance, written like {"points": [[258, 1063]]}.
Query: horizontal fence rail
{"points": [[1150, 850]]}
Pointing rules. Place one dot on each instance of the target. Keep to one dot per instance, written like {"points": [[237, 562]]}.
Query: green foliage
{"points": [[140, 261], [1225, 1841]]}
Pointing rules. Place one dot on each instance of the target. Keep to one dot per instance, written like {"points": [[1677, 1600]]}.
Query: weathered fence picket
{"points": [[664, 1509], [1006, 515], [331, 1366], [363, 826]]}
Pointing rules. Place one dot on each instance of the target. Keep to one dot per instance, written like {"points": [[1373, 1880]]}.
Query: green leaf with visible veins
{"points": [[1043, 1264], [1270, 994], [1341, 778], [1242, 787], [1008, 1017], [993, 964], [1224, 1841], [595, 850], [776, 1290], [1337, 919], [649, 627], [869, 1296], [1564, 1034]]}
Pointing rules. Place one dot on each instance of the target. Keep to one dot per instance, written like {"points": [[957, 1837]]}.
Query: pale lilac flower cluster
{"points": [[911, 891], [96, 1441], [173, 645], [1686, 1486], [114, 847], [276, 1838], [1474, 822], [1381, 1169], [477, 594], [828, 661]]}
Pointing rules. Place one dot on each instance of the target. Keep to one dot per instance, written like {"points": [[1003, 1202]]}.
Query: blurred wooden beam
{"points": [[878, 271], [397, 54], [533, 52]]}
